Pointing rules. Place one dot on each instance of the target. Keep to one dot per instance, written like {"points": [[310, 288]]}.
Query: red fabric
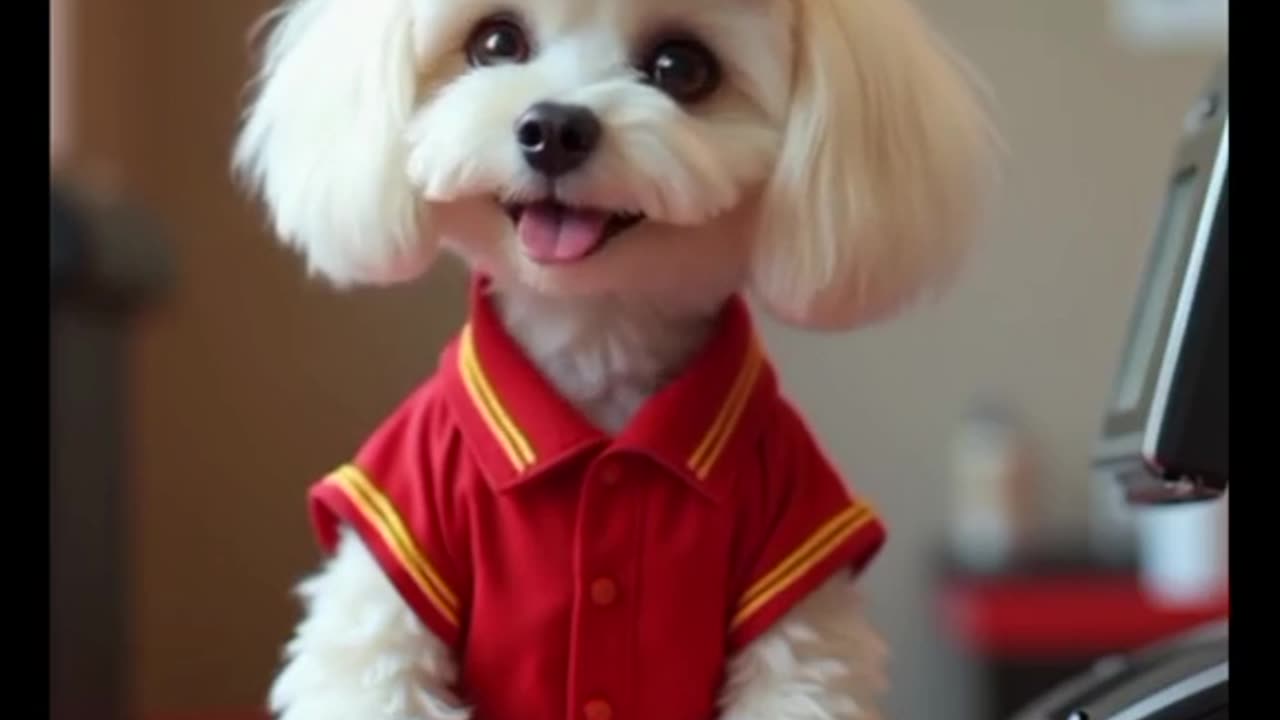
{"points": [[1065, 616], [574, 572]]}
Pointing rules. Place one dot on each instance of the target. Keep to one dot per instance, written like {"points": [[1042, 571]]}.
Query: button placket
{"points": [[606, 544]]}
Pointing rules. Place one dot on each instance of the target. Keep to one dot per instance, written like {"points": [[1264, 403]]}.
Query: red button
{"points": [[597, 710], [604, 592], [611, 475]]}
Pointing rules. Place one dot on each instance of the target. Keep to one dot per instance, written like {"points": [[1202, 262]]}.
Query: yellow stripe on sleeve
{"points": [[374, 506], [817, 548], [513, 442]]}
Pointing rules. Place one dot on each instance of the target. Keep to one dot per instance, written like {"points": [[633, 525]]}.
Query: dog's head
{"points": [[826, 155]]}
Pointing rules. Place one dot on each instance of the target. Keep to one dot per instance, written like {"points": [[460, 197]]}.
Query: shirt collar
{"points": [[694, 427]]}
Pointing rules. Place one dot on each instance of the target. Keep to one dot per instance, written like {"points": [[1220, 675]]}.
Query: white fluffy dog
{"points": [[617, 171]]}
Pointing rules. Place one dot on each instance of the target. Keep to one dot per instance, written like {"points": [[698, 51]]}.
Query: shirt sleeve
{"points": [[399, 507], [813, 528]]}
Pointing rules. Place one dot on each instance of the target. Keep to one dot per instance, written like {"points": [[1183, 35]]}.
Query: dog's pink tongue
{"points": [[552, 233]]}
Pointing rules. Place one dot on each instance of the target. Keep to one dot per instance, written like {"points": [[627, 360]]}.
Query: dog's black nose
{"points": [[555, 138]]}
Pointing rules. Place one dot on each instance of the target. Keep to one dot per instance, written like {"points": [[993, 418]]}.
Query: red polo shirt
{"points": [[583, 577]]}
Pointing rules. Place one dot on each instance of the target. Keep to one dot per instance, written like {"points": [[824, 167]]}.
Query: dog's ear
{"points": [[323, 140], [878, 185]]}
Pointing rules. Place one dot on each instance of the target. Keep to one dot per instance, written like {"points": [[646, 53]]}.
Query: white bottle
{"points": [[991, 488], [1182, 552]]}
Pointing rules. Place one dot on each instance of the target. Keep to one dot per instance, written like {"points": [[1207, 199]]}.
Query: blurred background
{"points": [[233, 381]]}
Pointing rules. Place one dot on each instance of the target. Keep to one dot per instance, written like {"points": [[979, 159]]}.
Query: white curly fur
{"points": [[360, 652], [836, 174], [824, 661]]}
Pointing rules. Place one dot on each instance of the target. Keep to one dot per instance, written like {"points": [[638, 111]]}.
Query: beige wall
{"points": [[251, 381]]}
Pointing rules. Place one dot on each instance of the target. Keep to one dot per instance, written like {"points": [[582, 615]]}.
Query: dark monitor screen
{"points": [[1165, 425], [1151, 316]]}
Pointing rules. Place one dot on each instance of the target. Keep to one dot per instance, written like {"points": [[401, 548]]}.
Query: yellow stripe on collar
{"points": [[500, 423], [726, 421]]}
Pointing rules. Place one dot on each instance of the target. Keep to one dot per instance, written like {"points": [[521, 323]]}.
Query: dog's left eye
{"points": [[684, 69], [497, 41]]}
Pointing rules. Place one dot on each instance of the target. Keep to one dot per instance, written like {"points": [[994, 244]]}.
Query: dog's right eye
{"points": [[497, 41]]}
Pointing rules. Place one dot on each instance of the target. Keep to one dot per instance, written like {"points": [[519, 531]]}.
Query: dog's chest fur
{"points": [[605, 356]]}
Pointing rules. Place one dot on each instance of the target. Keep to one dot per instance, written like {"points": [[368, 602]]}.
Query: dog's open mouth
{"points": [[551, 232]]}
